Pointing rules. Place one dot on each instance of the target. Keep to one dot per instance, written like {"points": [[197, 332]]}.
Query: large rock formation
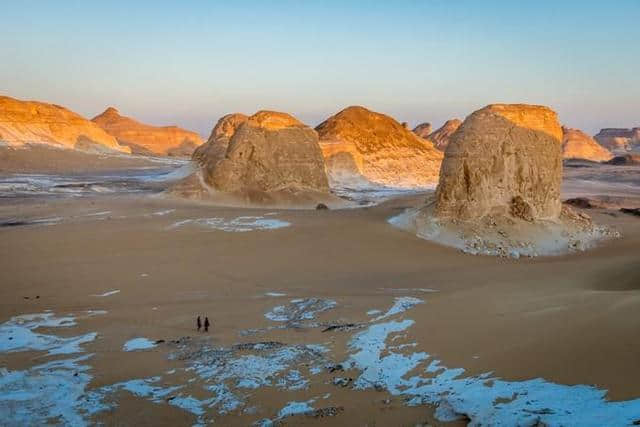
{"points": [[504, 158], [270, 158], [423, 130], [578, 145], [145, 139], [359, 144], [216, 146], [440, 138], [499, 189], [25, 122], [619, 141]]}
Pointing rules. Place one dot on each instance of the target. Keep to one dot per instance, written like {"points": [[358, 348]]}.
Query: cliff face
{"points": [[23, 122], [578, 145], [359, 143], [423, 130], [146, 139], [619, 140], [503, 159]]}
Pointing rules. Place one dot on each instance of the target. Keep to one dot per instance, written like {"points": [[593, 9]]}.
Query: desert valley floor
{"points": [[329, 316]]}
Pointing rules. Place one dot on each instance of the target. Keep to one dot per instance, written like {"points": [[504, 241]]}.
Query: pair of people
{"points": [[206, 324]]}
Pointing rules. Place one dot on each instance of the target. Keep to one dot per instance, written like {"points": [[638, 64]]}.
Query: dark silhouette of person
{"points": [[199, 323], [206, 324]]}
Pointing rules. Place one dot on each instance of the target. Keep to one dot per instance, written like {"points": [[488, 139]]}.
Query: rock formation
{"points": [[145, 139], [216, 146], [25, 122], [499, 189], [270, 157], [440, 138], [578, 145], [423, 130], [361, 145], [619, 141]]}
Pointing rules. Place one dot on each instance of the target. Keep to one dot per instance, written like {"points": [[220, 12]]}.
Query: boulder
{"points": [[26, 122], [423, 130], [270, 158], [502, 155], [578, 145], [146, 139], [440, 138], [499, 189], [365, 146]]}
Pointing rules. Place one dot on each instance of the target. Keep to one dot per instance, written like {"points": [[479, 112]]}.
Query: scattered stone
{"points": [[632, 211], [321, 206], [342, 381], [330, 411], [580, 202], [342, 327]]}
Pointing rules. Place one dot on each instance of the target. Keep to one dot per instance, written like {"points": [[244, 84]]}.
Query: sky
{"points": [[190, 62]]}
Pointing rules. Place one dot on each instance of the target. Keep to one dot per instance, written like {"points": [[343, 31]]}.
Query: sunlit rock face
{"points": [[619, 140], [145, 139], [216, 146], [440, 138], [423, 130], [270, 151], [24, 122], [361, 144], [503, 159], [578, 145]]}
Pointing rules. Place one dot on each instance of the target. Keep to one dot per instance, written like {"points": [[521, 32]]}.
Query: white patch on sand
{"points": [[373, 312], [400, 305], [108, 293], [99, 213], [275, 294], [163, 213], [239, 224], [299, 310], [138, 344], [485, 400]]}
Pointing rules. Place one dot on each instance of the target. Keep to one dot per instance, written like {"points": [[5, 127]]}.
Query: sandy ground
{"points": [[569, 319]]}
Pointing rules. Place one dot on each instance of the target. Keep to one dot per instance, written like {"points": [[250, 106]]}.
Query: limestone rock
{"points": [[499, 189], [619, 140], [146, 139], [216, 146], [423, 130], [24, 122], [578, 145], [268, 152], [361, 144], [440, 138], [502, 154]]}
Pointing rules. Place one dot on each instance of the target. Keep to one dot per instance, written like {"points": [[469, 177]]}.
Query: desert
{"points": [[281, 221]]}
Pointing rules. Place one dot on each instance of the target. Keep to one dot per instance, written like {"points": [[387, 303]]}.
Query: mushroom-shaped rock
{"points": [[359, 144], [499, 189]]}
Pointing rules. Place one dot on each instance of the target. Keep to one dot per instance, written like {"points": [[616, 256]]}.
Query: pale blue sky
{"points": [[189, 62]]}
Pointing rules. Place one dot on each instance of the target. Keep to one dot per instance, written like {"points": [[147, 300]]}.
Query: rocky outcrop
{"points": [[499, 189], [146, 139], [270, 157], [359, 144], [578, 145], [619, 140], [423, 130], [25, 122], [440, 138], [216, 146], [503, 157]]}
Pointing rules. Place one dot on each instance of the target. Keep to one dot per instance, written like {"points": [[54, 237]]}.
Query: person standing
{"points": [[206, 324], [199, 323]]}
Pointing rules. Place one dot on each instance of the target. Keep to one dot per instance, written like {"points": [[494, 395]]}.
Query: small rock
{"points": [[322, 207]]}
